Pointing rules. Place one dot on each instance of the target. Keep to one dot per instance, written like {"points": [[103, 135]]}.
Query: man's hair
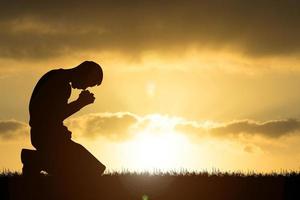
{"points": [[92, 71]]}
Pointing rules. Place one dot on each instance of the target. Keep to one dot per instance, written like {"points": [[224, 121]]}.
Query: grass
{"points": [[156, 185], [183, 172], [213, 173]]}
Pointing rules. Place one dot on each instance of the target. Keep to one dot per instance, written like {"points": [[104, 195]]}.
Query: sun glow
{"points": [[158, 146], [158, 152]]}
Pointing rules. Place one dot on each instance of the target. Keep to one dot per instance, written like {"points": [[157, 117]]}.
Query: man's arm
{"points": [[85, 98]]}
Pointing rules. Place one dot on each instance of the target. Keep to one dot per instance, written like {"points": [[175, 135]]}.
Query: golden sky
{"points": [[187, 84]]}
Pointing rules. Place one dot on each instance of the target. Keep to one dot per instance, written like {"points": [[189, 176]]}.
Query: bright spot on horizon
{"points": [[157, 146], [158, 151]]}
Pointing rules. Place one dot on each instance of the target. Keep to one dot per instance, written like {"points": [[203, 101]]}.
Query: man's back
{"points": [[46, 108]]}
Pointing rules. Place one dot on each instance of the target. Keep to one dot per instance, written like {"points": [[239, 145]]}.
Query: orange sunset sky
{"points": [[190, 85]]}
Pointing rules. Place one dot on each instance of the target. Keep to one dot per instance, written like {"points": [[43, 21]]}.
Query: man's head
{"points": [[87, 74]]}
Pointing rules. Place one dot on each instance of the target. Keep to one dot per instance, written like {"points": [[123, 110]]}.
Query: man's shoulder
{"points": [[54, 71], [53, 78], [55, 75]]}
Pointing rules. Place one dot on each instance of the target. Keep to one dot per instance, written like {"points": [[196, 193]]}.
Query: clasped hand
{"points": [[86, 97]]}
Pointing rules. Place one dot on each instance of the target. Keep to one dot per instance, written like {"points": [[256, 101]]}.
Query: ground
{"points": [[167, 186]]}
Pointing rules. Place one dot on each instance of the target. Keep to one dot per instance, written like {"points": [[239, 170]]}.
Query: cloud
{"points": [[270, 129], [120, 125], [115, 126], [192, 128], [125, 125], [10, 129], [32, 29]]}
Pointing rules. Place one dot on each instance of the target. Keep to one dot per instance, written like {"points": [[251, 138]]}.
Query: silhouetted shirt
{"points": [[47, 110]]}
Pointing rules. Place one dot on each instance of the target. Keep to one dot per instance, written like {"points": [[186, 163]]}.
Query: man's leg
{"points": [[70, 159], [78, 161]]}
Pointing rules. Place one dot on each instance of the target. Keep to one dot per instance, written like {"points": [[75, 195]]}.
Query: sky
{"points": [[195, 85]]}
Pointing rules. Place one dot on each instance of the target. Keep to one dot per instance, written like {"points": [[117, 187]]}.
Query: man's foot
{"points": [[30, 160]]}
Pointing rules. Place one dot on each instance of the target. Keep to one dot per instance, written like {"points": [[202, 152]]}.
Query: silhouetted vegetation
{"points": [[158, 186]]}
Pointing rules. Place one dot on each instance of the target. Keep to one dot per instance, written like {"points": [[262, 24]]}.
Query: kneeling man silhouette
{"points": [[55, 152]]}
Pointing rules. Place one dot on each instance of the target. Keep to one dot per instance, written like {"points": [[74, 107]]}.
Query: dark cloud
{"points": [[112, 125], [39, 29], [274, 129], [11, 128], [270, 129]]}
